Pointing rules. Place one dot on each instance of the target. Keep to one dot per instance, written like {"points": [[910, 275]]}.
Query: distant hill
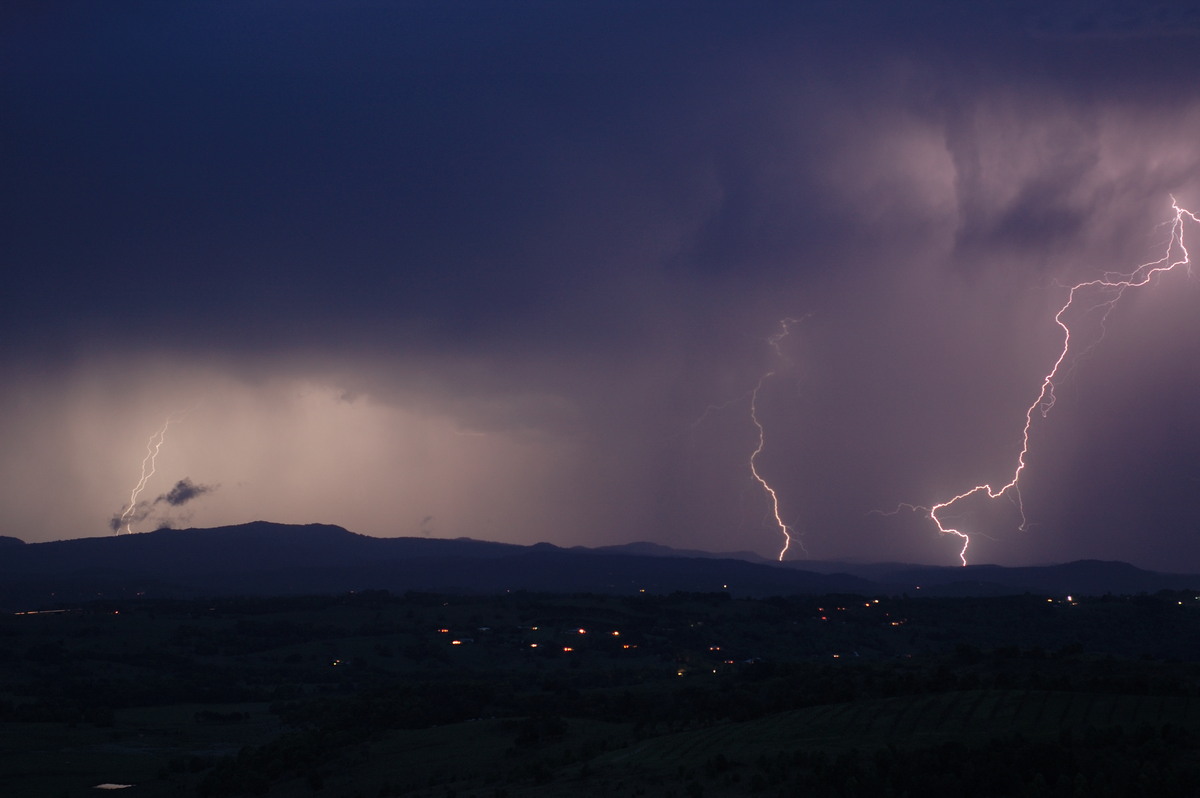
{"points": [[1082, 577], [648, 549], [263, 558]]}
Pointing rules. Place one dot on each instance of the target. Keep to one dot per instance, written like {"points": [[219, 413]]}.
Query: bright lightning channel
{"points": [[1112, 287], [153, 446], [784, 528]]}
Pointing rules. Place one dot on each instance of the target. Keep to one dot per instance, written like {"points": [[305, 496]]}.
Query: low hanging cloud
{"points": [[180, 494], [184, 491]]}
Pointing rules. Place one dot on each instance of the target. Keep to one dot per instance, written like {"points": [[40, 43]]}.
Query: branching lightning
{"points": [[1105, 292], [149, 464], [153, 446]]}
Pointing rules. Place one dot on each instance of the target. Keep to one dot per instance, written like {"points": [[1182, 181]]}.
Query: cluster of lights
{"points": [[535, 645]]}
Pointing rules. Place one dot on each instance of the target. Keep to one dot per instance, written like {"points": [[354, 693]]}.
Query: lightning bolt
{"points": [[1110, 288], [149, 463], [784, 528], [152, 448], [775, 341]]}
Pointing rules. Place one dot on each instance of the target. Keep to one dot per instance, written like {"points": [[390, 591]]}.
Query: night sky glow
{"points": [[476, 269]]}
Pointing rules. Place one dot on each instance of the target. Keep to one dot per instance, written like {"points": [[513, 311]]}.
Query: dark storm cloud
{"points": [[183, 492], [582, 221], [452, 175], [436, 173]]}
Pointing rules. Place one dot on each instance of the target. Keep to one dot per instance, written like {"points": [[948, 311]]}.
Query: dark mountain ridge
{"points": [[262, 558], [243, 548]]}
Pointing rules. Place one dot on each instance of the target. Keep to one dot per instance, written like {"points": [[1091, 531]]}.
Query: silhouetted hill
{"points": [[237, 549], [647, 549], [1082, 577], [262, 558]]}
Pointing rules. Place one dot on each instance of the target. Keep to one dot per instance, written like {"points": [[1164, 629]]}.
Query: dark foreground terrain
{"points": [[523, 694]]}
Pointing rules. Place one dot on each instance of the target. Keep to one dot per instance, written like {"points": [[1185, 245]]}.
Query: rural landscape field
{"points": [[527, 694]]}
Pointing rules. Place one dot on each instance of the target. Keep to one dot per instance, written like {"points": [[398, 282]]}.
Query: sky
{"points": [[531, 271]]}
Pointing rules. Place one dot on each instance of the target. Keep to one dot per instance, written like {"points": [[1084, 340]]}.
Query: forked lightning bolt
{"points": [[149, 462], [1110, 288], [152, 448]]}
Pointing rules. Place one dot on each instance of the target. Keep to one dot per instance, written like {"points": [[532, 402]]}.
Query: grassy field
{"points": [[971, 717], [480, 758], [366, 696], [151, 747]]}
